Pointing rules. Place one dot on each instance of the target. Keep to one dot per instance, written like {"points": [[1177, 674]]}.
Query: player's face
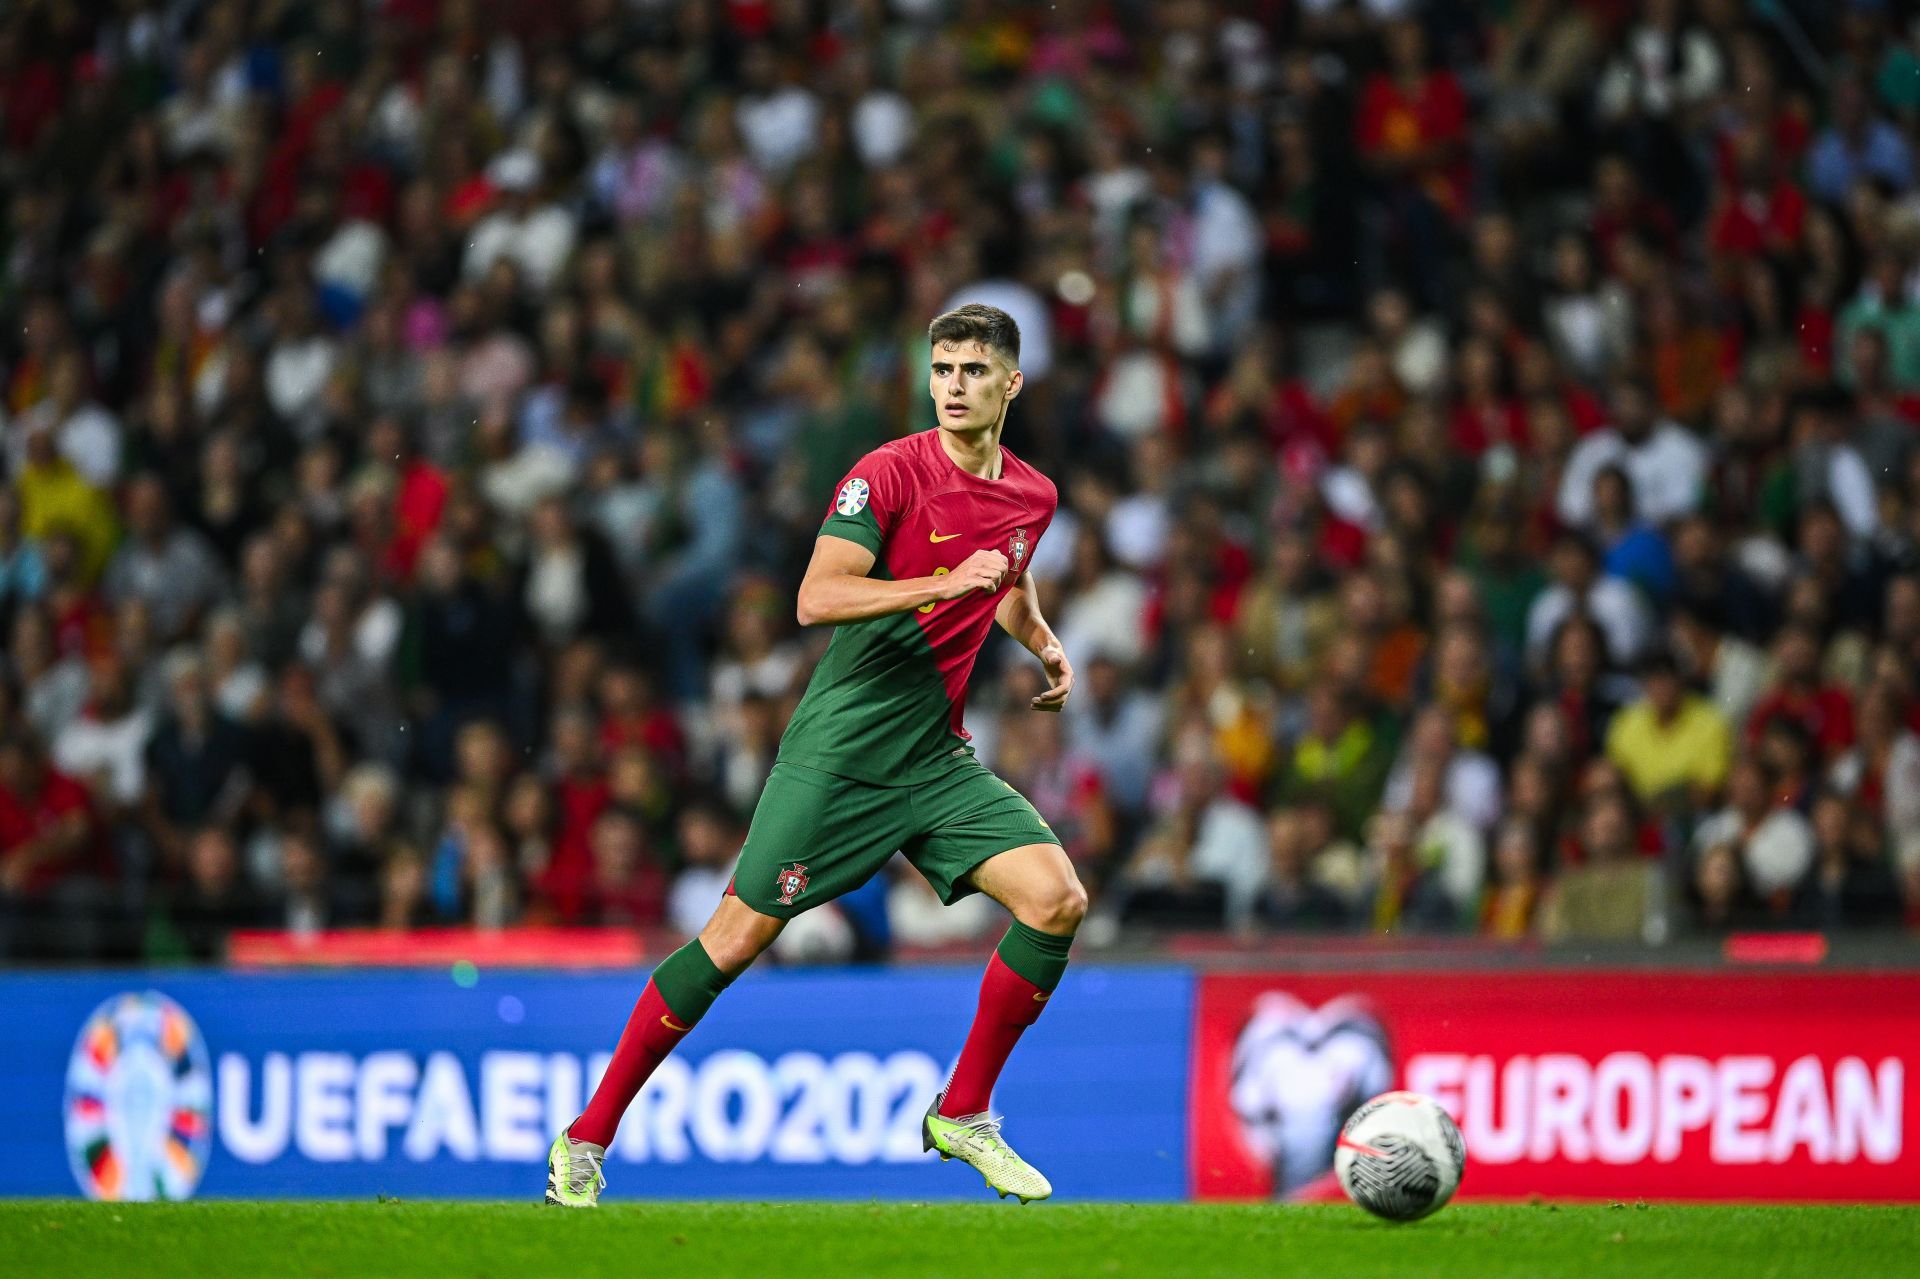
{"points": [[971, 385]]}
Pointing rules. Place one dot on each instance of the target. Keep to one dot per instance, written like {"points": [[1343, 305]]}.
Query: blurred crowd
{"points": [[1485, 436]]}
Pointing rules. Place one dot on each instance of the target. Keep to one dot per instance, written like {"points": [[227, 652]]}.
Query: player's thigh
{"points": [[1038, 884], [815, 836], [965, 821]]}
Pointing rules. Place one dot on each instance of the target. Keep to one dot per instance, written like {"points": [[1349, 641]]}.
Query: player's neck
{"points": [[975, 452]]}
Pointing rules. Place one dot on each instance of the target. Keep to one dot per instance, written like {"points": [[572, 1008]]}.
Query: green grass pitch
{"points": [[1057, 1241]]}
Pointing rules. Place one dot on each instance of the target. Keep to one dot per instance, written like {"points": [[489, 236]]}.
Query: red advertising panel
{"points": [[1594, 1085]]}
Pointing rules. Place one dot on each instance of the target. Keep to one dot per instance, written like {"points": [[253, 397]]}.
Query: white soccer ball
{"points": [[1400, 1156]]}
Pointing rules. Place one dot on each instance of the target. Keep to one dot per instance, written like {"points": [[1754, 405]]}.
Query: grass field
{"points": [[1058, 1241]]}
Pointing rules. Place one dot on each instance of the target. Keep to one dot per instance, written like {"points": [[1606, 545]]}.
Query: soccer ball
{"points": [[1400, 1156]]}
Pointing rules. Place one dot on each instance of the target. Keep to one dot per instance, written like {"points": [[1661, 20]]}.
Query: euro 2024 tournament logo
{"points": [[1298, 1073], [139, 1105]]}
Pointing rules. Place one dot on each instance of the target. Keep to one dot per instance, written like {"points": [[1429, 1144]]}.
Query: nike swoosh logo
{"points": [[941, 537], [1042, 996], [671, 1024]]}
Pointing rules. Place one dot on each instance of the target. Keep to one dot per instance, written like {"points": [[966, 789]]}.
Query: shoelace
{"points": [[985, 1129], [583, 1171]]}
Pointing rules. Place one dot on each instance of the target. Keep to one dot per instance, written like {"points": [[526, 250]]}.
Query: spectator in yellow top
{"points": [[1670, 743], [54, 495]]}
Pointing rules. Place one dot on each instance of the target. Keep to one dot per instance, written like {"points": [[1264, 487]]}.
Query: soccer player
{"points": [[925, 548]]}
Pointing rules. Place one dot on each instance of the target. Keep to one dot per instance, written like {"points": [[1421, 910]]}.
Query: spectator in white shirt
{"points": [[1773, 841], [1826, 465], [1734, 672], [1470, 778], [1204, 834], [84, 432], [1104, 604], [1116, 727], [300, 362], [1667, 465], [106, 746], [171, 567], [882, 120], [537, 238], [1448, 842], [778, 119], [1579, 586], [709, 844], [1227, 245]]}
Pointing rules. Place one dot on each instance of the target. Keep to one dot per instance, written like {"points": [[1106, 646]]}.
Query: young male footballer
{"points": [[926, 546]]}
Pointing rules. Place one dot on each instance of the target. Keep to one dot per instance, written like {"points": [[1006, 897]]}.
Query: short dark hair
{"points": [[978, 322]]}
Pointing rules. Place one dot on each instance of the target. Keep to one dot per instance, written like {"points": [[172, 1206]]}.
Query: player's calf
{"points": [[676, 997], [1038, 885]]}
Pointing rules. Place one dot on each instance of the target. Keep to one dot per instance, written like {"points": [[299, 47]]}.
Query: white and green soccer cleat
{"points": [[573, 1173], [975, 1140]]}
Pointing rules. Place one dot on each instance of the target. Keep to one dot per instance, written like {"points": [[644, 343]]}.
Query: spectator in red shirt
{"points": [[1412, 124], [419, 495], [631, 715], [1799, 692], [1411, 128], [46, 821], [627, 886], [1759, 212], [49, 852], [580, 796]]}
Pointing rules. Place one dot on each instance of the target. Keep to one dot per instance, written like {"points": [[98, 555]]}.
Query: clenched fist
{"points": [[980, 571]]}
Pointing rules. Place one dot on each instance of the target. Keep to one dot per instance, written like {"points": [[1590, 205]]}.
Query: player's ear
{"points": [[1014, 384]]}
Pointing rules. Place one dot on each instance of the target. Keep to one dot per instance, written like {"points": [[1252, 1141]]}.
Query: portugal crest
{"points": [[1018, 548], [790, 882]]}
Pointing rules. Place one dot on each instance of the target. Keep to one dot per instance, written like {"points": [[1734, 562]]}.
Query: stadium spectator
{"points": [[1516, 882], [1670, 740], [1406, 886], [1771, 843], [170, 568], [197, 774], [1206, 854], [1580, 586], [214, 900], [1611, 894], [1470, 780], [1298, 892], [1852, 880]]}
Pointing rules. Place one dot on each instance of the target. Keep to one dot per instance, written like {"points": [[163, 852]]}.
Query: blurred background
{"points": [[1485, 435]]}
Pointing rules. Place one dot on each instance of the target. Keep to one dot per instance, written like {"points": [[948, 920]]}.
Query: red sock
{"points": [[652, 1032], [1009, 1003]]}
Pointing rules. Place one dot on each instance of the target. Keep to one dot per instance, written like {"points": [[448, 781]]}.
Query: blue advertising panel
{"points": [[799, 1084]]}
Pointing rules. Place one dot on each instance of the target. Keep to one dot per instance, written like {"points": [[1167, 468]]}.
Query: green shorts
{"points": [[817, 835]]}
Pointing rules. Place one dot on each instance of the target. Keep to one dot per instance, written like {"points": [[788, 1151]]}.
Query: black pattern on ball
{"points": [[1399, 1183], [1456, 1144]]}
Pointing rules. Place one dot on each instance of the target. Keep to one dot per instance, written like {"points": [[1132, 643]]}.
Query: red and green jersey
{"points": [[885, 703]]}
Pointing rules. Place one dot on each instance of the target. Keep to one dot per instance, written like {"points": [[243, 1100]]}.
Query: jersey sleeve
{"points": [[869, 500]]}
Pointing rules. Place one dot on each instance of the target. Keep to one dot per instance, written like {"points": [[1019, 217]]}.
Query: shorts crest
{"points": [[790, 882]]}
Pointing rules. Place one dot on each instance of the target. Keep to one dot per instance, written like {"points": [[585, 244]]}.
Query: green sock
{"points": [[1039, 957], [689, 982]]}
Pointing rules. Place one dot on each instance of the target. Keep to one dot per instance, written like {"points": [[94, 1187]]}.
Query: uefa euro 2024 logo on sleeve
{"points": [[139, 1105]]}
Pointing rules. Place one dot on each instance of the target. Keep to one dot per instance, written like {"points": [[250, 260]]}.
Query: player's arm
{"points": [[1019, 616], [837, 589]]}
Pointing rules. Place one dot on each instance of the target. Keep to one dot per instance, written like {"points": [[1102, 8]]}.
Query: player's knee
{"points": [[734, 939], [733, 953], [1062, 909]]}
